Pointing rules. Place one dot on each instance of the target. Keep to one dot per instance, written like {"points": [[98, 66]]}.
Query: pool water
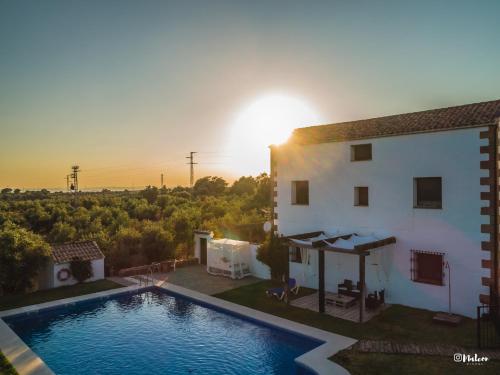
{"points": [[156, 333]]}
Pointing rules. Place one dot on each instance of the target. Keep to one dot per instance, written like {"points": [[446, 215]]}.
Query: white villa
{"points": [[409, 203]]}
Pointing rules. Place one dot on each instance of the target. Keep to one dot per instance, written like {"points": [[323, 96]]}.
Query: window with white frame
{"points": [[428, 192], [300, 193], [361, 152], [361, 196]]}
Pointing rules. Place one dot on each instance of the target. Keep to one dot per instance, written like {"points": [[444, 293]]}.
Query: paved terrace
{"points": [[351, 313], [198, 279]]}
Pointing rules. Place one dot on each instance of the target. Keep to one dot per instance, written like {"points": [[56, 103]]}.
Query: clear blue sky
{"points": [[128, 88]]}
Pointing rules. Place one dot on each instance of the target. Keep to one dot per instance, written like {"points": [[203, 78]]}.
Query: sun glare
{"points": [[268, 120], [271, 119]]}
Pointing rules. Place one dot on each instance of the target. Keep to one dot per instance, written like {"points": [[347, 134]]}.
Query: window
{"points": [[295, 255], [428, 192], [300, 192], [361, 152], [427, 267], [361, 196]]}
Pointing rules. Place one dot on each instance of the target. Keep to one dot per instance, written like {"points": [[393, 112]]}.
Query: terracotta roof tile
{"points": [[464, 116], [85, 250]]}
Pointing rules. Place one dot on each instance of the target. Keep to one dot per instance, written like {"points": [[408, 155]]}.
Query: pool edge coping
{"points": [[26, 362], [21, 357], [315, 360]]}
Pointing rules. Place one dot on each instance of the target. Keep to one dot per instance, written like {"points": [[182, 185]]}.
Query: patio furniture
{"points": [[375, 299], [279, 292], [340, 300], [293, 286], [347, 288]]}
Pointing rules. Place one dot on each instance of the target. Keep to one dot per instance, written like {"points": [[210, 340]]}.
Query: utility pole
{"points": [[161, 184], [74, 176], [67, 182], [191, 163]]}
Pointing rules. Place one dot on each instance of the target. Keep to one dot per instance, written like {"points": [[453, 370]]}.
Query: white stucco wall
{"points": [[197, 237], [454, 229], [45, 277], [258, 268], [97, 270]]}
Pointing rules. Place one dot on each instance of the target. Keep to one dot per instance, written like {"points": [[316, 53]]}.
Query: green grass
{"points": [[395, 364], [20, 300], [398, 323], [5, 367]]}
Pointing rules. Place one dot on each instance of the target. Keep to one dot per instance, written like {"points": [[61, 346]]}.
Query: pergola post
{"points": [[321, 286], [287, 276], [362, 287]]}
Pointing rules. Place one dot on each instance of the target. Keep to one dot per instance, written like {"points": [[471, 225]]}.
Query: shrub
{"points": [[81, 269], [274, 253]]}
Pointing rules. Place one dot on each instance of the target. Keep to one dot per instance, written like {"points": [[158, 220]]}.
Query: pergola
{"points": [[322, 242]]}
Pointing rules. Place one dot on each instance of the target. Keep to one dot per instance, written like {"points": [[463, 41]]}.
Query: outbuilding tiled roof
{"points": [[84, 250], [464, 116]]}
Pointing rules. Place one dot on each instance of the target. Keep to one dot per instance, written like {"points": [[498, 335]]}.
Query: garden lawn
{"points": [[358, 363], [20, 300], [397, 323]]}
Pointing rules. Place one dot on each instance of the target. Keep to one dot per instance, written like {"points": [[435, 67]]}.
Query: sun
{"points": [[269, 119]]}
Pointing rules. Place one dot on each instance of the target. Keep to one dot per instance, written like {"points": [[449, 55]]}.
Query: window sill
{"points": [[300, 204], [361, 205], [354, 160], [428, 207], [429, 282]]}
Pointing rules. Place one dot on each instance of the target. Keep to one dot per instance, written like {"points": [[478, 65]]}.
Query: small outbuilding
{"points": [[57, 272]]}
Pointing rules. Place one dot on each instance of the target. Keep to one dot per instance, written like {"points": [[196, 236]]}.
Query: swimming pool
{"points": [[156, 332]]}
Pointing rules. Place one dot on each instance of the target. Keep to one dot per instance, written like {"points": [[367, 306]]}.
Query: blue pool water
{"points": [[156, 333]]}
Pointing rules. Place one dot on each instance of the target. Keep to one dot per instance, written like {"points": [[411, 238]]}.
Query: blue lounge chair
{"points": [[279, 292], [293, 286]]}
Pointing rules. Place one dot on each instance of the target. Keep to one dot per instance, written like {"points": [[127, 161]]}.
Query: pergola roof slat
{"points": [[328, 244], [376, 244]]}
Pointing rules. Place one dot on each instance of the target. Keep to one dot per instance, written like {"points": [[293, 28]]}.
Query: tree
{"points": [[263, 194], [156, 242], [81, 269], [6, 191], [22, 255], [150, 194], [274, 253], [62, 232], [163, 201], [126, 244], [209, 186], [244, 185]]}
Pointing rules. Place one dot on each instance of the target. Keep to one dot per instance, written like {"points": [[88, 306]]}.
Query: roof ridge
{"points": [[401, 114], [85, 250], [431, 120]]}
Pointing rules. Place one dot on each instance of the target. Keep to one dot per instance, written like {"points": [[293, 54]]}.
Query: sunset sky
{"points": [[126, 89]]}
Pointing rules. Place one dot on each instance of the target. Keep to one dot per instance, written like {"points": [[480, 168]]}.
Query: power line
{"points": [[191, 164]]}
